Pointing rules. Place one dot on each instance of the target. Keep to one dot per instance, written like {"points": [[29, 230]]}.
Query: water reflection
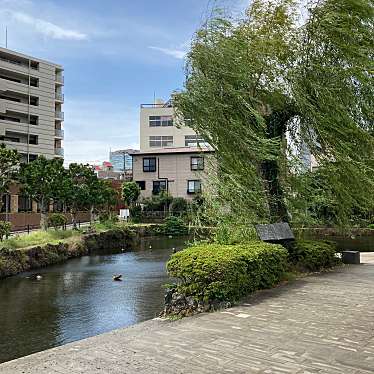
{"points": [[79, 299]]}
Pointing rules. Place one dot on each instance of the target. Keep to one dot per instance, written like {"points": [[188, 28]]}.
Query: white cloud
{"points": [[176, 53], [94, 126], [46, 28]]}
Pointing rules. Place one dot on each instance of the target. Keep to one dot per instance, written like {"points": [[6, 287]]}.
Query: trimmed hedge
{"points": [[215, 272], [309, 255]]}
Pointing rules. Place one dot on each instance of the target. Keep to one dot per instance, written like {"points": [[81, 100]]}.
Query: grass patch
{"points": [[39, 238]]}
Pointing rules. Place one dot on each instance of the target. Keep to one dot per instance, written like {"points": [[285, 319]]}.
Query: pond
{"points": [[79, 299]]}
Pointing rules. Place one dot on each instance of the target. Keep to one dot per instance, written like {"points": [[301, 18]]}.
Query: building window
{"points": [[34, 120], [160, 141], [157, 121], [197, 163], [193, 186], [24, 204], [149, 164], [159, 186], [194, 141], [141, 185]]}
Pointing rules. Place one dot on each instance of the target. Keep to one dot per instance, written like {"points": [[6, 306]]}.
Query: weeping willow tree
{"points": [[286, 75]]}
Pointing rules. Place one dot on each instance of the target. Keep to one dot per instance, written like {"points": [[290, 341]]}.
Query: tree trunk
{"points": [[74, 218], [43, 216], [91, 215], [276, 129]]}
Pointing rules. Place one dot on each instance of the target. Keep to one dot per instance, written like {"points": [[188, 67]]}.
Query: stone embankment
{"points": [[15, 261]]}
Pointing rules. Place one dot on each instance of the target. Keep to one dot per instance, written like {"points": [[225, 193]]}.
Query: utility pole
{"points": [[6, 36]]}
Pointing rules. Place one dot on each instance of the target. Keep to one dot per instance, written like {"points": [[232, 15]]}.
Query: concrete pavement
{"points": [[322, 323]]}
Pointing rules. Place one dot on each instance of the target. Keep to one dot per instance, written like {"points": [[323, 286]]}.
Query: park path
{"points": [[322, 323]]}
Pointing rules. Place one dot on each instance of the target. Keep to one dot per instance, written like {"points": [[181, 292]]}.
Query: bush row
{"points": [[211, 274], [227, 272]]}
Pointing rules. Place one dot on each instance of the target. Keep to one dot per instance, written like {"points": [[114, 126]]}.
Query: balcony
{"points": [[59, 152], [60, 79], [59, 115], [59, 97], [59, 133]]}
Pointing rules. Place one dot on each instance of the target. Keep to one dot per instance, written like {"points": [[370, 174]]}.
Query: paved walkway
{"points": [[318, 324]]}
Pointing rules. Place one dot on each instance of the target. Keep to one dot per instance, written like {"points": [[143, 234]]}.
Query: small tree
{"points": [[130, 193], [40, 180], [77, 191], [56, 220], [9, 164]]}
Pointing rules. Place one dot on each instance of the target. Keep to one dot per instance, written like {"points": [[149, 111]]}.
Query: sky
{"points": [[116, 54]]}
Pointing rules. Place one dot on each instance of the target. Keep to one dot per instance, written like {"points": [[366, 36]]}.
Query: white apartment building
{"points": [[31, 100]]}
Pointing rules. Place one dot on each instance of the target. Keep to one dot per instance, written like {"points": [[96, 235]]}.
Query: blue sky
{"points": [[116, 54]]}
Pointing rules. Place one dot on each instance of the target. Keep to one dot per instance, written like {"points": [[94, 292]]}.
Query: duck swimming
{"points": [[117, 277]]}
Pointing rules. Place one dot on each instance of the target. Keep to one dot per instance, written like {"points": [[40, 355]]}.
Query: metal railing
{"points": [[59, 115], [59, 152], [60, 79], [59, 96], [59, 133]]}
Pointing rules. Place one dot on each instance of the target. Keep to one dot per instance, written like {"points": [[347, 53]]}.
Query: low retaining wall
{"points": [[16, 261]]}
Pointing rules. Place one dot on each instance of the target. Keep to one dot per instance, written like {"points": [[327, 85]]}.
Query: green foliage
{"points": [[308, 255], [157, 203], [371, 226], [252, 81], [56, 220], [179, 205], [40, 180], [174, 226], [130, 193], [5, 228], [9, 163], [136, 213], [227, 272]]}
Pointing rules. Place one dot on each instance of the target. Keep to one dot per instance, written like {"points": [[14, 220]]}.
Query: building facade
{"points": [[172, 157], [159, 128], [181, 172], [31, 99]]}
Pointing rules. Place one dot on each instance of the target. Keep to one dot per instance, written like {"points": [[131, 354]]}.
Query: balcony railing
{"points": [[59, 133], [60, 79], [59, 152], [59, 115], [59, 96]]}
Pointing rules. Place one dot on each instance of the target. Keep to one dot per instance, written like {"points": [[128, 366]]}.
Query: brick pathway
{"points": [[318, 324]]}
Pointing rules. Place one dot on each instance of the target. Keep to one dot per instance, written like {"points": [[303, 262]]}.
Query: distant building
{"points": [[122, 160], [31, 100], [106, 171]]}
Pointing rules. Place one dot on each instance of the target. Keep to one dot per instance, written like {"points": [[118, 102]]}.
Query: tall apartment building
{"points": [[172, 157], [31, 102]]}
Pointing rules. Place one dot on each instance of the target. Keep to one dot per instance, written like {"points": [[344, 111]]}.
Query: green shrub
{"points": [[227, 272], [108, 217], [5, 228], [56, 220], [174, 226], [371, 226], [309, 255], [136, 213], [179, 205]]}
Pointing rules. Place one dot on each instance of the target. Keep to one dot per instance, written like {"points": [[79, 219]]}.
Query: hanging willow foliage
{"points": [[284, 71]]}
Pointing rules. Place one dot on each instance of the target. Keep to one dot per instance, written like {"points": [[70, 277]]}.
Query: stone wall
{"points": [[16, 261]]}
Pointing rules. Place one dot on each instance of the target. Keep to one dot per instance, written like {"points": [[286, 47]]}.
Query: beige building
{"points": [[31, 101], [182, 171], [159, 129]]}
